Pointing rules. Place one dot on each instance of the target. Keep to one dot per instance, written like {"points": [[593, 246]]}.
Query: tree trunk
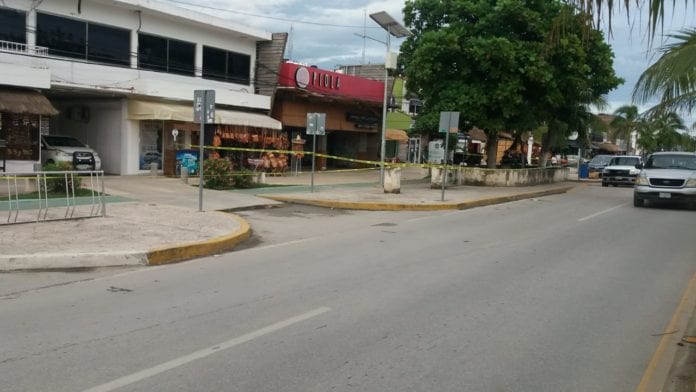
{"points": [[544, 149], [491, 151]]}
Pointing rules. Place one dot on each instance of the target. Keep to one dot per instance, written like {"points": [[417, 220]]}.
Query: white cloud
{"points": [[332, 44]]}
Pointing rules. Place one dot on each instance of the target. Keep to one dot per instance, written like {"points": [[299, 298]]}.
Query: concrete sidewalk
{"points": [[155, 220]]}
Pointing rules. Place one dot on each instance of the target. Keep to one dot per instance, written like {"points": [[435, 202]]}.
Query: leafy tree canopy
{"points": [[495, 61]]}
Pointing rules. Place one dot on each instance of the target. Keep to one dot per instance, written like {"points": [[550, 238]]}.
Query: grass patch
{"points": [[55, 195]]}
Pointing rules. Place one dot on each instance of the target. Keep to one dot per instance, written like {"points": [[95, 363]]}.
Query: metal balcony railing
{"points": [[16, 47], [53, 195]]}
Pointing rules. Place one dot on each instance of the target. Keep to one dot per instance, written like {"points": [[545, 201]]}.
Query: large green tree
{"points": [[496, 62]]}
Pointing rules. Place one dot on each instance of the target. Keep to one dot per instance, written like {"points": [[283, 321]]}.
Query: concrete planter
{"points": [[511, 177], [436, 174]]}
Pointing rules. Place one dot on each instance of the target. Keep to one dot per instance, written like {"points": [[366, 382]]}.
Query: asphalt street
{"points": [[562, 293]]}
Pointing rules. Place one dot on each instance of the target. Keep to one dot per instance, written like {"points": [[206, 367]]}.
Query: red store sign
{"points": [[330, 83]]}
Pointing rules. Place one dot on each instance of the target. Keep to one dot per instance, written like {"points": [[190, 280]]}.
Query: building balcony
{"points": [[15, 47]]}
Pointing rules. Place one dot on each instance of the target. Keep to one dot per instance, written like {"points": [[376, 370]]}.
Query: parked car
{"points": [[666, 176], [62, 148], [598, 162], [621, 170]]}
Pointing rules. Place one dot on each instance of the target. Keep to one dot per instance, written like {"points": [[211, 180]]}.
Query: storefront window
{"points": [[150, 144]]}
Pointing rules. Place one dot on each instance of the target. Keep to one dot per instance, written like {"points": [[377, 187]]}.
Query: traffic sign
{"points": [[204, 106], [316, 124], [449, 122]]}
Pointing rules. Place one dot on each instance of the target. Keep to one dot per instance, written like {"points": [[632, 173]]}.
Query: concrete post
{"points": [[392, 180]]}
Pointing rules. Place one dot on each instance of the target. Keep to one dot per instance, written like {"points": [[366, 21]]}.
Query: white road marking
{"points": [[601, 212], [161, 368]]}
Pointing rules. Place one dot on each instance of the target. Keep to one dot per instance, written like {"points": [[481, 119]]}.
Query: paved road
{"points": [[562, 293]]}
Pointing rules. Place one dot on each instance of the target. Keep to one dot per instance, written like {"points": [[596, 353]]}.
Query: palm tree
{"points": [[626, 122], [661, 132], [673, 76], [656, 10]]}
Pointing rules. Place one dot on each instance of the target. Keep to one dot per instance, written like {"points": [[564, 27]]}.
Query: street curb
{"points": [[59, 261], [185, 251], [156, 256], [656, 374], [371, 206]]}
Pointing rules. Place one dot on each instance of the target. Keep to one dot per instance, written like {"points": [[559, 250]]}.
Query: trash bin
{"points": [[583, 170]]}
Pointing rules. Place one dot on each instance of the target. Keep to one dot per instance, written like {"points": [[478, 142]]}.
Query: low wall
{"points": [[510, 177], [458, 175]]}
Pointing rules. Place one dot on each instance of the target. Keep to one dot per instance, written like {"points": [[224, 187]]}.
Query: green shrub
{"points": [[216, 173], [57, 183], [243, 179]]}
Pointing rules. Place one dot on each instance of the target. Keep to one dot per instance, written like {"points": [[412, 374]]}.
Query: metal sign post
{"points": [[316, 125], [449, 123], [203, 113]]}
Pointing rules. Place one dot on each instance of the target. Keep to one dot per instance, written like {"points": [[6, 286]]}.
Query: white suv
{"points": [[60, 148], [666, 176]]}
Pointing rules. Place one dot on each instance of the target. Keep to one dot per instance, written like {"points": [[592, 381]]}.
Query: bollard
{"points": [[392, 180], [184, 175], [153, 168]]}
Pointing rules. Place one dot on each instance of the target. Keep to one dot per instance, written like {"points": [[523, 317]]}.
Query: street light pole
{"points": [[395, 29], [384, 114]]}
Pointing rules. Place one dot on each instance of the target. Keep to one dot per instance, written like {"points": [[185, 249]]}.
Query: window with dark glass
{"points": [[13, 26], [152, 52], [63, 37], [238, 68], [108, 44], [182, 57], [227, 66], [166, 55], [214, 63], [88, 41]]}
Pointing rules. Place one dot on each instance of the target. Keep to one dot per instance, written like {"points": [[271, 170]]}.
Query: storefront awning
{"points": [[25, 102], [145, 110], [396, 134]]}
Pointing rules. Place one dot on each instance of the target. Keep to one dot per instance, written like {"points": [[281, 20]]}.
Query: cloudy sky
{"points": [[327, 33]]}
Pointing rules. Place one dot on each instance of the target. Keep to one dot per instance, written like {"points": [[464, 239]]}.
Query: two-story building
{"points": [[120, 75]]}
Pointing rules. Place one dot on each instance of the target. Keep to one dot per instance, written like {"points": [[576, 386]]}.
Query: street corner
{"points": [[175, 253], [131, 234]]}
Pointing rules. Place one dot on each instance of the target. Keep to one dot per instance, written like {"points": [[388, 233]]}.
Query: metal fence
{"points": [[51, 195]]}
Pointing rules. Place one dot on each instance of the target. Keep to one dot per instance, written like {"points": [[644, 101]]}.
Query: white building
{"points": [[121, 74]]}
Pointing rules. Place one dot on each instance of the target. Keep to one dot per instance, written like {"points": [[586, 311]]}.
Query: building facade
{"points": [[121, 75], [353, 107]]}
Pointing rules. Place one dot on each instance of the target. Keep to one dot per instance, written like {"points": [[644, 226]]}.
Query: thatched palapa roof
{"points": [[25, 102]]}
